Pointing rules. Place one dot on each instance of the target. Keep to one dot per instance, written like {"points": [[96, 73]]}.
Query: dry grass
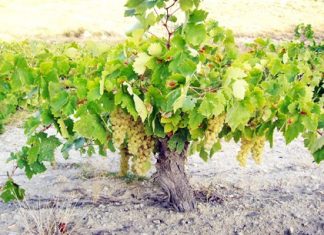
{"points": [[53, 216]]}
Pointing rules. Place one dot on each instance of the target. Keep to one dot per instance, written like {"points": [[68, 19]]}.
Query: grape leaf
{"points": [[237, 115], [90, 127], [12, 191]]}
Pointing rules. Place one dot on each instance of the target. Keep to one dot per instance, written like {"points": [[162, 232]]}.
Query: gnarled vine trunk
{"points": [[172, 178]]}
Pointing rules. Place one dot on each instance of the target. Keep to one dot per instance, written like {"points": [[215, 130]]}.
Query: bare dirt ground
{"points": [[103, 19], [284, 195]]}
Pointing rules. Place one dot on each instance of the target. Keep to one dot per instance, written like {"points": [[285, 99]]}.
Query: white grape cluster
{"points": [[130, 137], [246, 146], [255, 146], [257, 149], [214, 127], [120, 123], [140, 146]]}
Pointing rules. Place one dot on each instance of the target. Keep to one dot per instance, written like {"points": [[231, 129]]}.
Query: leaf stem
{"points": [[166, 25]]}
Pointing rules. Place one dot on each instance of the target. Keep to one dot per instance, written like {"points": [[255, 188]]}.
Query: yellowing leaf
{"points": [[235, 73], [64, 131], [139, 65], [155, 49], [140, 107], [285, 58], [178, 103], [239, 89], [72, 53], [102, 85]]}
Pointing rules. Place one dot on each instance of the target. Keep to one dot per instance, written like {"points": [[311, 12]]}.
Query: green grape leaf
{"points": [[292, 131], [134, 3], [46, 67], [197, 16], [203, 155], [213, 104], [91, 127], [195, 33], [195, 119], [189, 104], [12, 191], [216, 147], [31, 124], [179, 102], [177, 141], [32, 156], [47, 147], [186, 5], [58, 96], [183, 64], [238, 115], [319, 155]]}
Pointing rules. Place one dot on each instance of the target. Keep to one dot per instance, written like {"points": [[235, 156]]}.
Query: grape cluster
{"points": [[140, 146], [214, 126], [120, 122], [130, 137], [257, 149], [246, 146]]}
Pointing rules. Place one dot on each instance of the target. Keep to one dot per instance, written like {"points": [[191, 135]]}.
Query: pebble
{"points": [[138, 206], [156, 221], [186, 221], [289, 231], [252, 214], [3, 216], [13, 227], [87, 34], [117, 203], [90, 221]]}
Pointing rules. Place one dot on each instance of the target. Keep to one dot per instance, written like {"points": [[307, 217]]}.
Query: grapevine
{"points": [[191, 88], [124, 160]]}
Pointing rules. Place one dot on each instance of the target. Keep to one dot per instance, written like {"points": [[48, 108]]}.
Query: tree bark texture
{"points": [[172, 178]]}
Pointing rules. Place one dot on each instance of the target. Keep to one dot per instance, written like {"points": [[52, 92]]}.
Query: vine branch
{"points": [[166, 25]]}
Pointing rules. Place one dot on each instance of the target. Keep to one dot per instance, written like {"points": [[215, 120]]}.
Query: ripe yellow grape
{"points": [[246, 146], [140, 146], [120, 122], [257, 149], [130, 137], [214, 126]]}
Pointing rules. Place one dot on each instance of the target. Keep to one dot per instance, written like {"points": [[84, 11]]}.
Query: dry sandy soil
{"points": [[285, 195], [104, 18]]}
